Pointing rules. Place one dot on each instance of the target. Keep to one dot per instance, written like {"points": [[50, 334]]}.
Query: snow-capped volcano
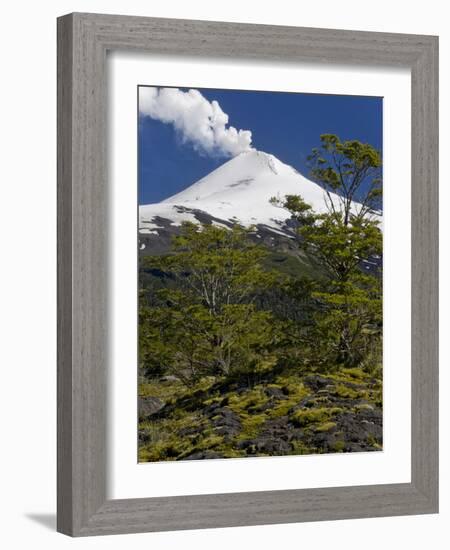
{"points": [[239, 190]]}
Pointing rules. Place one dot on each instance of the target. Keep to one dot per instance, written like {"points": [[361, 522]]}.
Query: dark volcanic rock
{"points": [[326, 441], [353, 432], [317, 383], [270, 446], [225, 421], [149, 406], [261, 408], [211, 410], [273, 439], [358, 427], [201, 455], [276, 393], [295, 434], [282, 429], [144, 437], [309, 402], [278, 427], [191, 430]]}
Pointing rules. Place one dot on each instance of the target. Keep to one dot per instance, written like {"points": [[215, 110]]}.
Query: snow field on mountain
{"points": [[239, 190]]}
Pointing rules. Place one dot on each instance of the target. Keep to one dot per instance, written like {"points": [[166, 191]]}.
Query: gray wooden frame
{"points": [[83, 41]]}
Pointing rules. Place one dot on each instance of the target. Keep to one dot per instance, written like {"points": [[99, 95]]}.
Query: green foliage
{"points": [[215, 266], [339, 446], [351, 170], [348, 324], [231, 332], [311, 416], [186, 427], [344, 328], [325, 427], [340, 246], [209, 323], [347, 392], [301, 211]]}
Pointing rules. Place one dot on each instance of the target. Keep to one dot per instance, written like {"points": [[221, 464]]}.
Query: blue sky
{"points": [[287, 125]]}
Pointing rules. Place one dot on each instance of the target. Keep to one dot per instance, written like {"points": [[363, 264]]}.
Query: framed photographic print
{"points": [[247, 273], [260, 305]]}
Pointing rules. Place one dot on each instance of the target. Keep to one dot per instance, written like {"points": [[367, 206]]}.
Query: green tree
{"points": [[340, 246], [348, 325], [348, 308], [348, 171], [174, 339], [208, 323], [217, 266]]}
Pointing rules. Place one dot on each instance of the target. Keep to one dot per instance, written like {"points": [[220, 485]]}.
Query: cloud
{"points": [[196, 120]]}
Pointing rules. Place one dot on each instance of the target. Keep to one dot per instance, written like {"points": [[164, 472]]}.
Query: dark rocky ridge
{"points": [[322, 414]]}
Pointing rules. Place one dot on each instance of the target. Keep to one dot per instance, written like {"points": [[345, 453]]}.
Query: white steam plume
{"points": [[198, 121]]}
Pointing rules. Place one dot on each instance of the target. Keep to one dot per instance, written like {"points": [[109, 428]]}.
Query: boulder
{"points": [[264, 445], [225, 421], [202, 455], [150, 406], [317, 383], [169, 378], [275, 393]]}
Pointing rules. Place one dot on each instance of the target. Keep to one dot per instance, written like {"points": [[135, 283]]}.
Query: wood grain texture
{"points": [[424, 276], [83, 41], [82, 261], [64, 251]]}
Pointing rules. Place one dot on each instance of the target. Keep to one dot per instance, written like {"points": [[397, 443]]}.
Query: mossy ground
{"points": [[287, 415]]}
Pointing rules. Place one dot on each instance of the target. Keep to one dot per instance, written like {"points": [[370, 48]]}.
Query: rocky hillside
{"points": [[286, 415]]}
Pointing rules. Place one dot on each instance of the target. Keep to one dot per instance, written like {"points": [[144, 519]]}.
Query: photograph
{"points": [[260, 282], [230, 217]]}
